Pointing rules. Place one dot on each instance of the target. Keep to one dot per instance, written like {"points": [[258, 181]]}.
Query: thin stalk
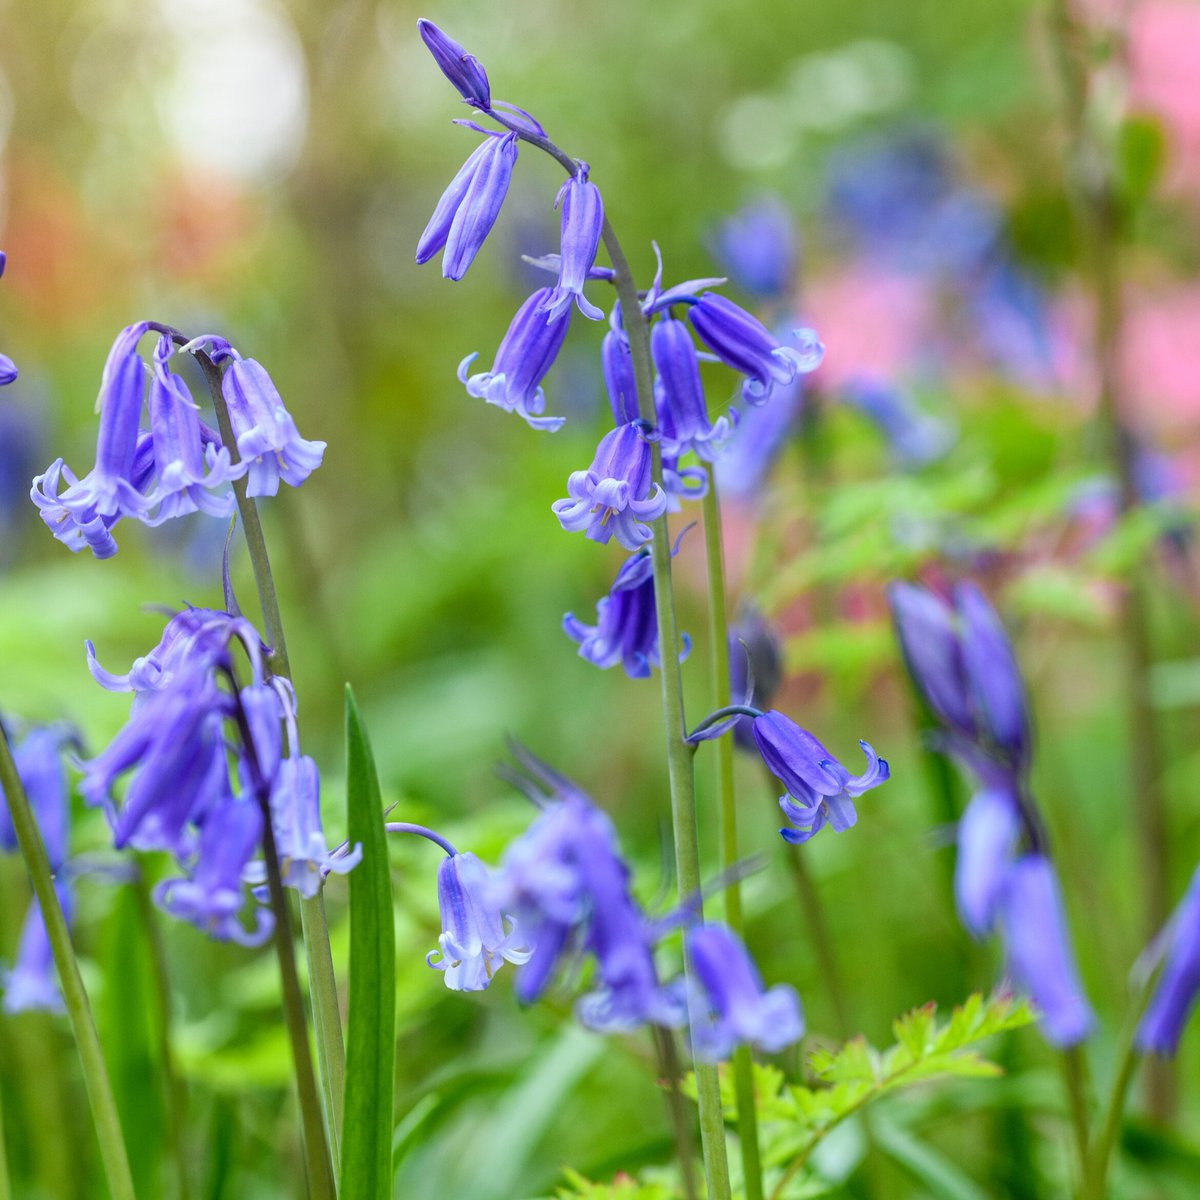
{"points": [[322, 980], [173, 1086], [79, 1011], [1096, 1183], [668, 1067], [5, 1184], [718, 639], [1074, 1069]]}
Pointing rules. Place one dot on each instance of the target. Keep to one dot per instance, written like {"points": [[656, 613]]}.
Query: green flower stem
{"points": [[1074, 1070], [5, 1185], [79, 1012], [668, 1068], [322, 981], [718, 639]]}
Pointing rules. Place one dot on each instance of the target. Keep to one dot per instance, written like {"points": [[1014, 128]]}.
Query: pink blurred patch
{"points": [[1160, 366]]}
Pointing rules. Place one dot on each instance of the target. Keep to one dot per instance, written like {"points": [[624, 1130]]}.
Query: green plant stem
{"points": [[321, 978], [718, 641], [173, 1087], [79, 1012], [668, 1066], [5, 1184], [1096, 1182], [1074, 1071]]}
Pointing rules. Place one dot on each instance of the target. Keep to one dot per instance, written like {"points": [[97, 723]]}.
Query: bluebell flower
{"points": [[1176, 991], [679, 394], [1010, 317], [754, 650], [819, 789], [682, 483], [38, 757], [582, 222], [31, 983], [757, 247], [468, 209], [1038, 947], [761, 433], [463, 70], [615, 495], [626, 629], [914, 437], [267, 439], [619, 380], [732, 1007], [211, 896], [526, 354], [8, 369], [987, 839], [744, 343]]}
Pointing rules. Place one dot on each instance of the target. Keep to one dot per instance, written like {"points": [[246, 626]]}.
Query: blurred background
{"points": [[264, 170]]}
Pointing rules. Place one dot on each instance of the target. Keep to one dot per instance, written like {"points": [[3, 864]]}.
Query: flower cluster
{"points": [[561, 894], [207, 757], [964, 669], [156, 459]]}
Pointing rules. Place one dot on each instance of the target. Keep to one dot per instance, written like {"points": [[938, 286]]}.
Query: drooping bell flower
{"points": [[463, 70], [267, 439], [731, 1007], [757, 247], [1038, 947], [761, 433], [615, 495], [743, 342], [679, 394], [754, 650], [526, 354], [469, 207], [38, 757], [1178, 987], [8, 369], [582, 222], [987, 839], [619, 380], [31, 983]]}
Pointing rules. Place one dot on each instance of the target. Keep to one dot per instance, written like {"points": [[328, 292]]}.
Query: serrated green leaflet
{"points": [[370, 1024]]}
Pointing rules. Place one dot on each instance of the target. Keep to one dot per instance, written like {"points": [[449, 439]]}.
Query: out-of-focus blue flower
{"points": [[463, 70], [744, 343], [267, 439], [8, 369], [1012, 324], [31, 984], [1175, 993], [582, 221], [626, 629], [732, 1007], [615, 495], [526, 353], [619, 381], [914, 437], [1038, 946], [39, 761], [753, 649], [753, 446], [987, 839], [679, 394], [757, 247], [819, 789], [470, 205]]}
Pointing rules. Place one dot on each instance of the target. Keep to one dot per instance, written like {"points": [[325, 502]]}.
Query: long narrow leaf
{"points": [[370, 1025]]}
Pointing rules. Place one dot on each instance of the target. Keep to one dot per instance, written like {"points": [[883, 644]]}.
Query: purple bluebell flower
{"points": [[463, 70], [1038, 947], [267, 439], [526, 354], [682, 483], [987, 839], [474, 943], [753, 446], [754, 650], [615, 495], [31, 983], [744, 343], [211, 896], [1177, 988], [582, 221], [914, 437], [8, 369], [679, 394], [468, 209], [820, 790], [732, 1007], [39, 761], [626, 629], [619, 380], [757, 247]]}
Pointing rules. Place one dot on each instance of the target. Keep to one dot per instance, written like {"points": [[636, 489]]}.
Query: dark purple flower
{"points": [[1175, 993], [31, 984], [470, 205], [732, 1007], [462, 69], [819, 789], [987, 839], [744, 343], [757, 247], [914, 438], [754, 649], [1038, 946], [619, 380], [679, 394], [526, 353], [615, 495], [582, 221]]}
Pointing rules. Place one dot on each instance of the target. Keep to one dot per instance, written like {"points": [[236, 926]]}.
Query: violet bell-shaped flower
{"points": [[31, 983], [757, 247], [582, 222], [463, 70], [616, 362], [267, 439], [8, 369], [731, 1006], [526, 354], [761, 433], [679, 394], [1178, 987], [469, 206], [744, 343], [820, 790], [1034, 930], [38, 758], [987, 839], [615, 495]]}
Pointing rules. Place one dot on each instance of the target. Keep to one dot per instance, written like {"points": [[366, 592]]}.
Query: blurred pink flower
{"points": [[1159, 365]]}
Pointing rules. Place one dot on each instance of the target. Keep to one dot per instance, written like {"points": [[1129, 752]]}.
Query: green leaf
{"points": [[621, 1188], [371, 1019]]}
